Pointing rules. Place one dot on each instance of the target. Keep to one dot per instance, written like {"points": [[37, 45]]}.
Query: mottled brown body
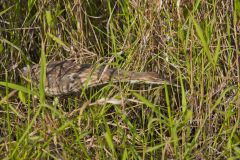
{"points": [[67, 77]]}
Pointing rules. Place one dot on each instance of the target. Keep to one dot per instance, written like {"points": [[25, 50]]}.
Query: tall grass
{"points": [[191, 44]]}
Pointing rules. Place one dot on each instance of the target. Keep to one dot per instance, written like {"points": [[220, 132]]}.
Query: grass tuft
{"points": [[193, 45]]}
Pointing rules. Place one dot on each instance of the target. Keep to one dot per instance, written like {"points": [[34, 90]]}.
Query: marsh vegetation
{"points": [[191, 44]]}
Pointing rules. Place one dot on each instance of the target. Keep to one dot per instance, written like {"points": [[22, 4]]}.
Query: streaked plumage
{"points": [[67, 77]]}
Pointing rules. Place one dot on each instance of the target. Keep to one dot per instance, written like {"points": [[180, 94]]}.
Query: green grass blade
{"points": [[144, 100], [172, 126], [49, 18], [108, 137], [4, 11], [217, 51], [42, 76], [26, 132], [156, 147], [203, 40], [125, 154], [57, 40], [184, 100], [218, 101], [16, 87]]}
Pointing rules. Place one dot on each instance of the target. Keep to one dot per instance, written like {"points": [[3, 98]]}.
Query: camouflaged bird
{"points": [[68, 77]]}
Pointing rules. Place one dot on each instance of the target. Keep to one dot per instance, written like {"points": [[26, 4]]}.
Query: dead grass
{"points": [[192, 44]]}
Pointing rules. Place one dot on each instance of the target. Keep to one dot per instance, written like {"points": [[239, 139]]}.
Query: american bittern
{"points": [[67, 77]]}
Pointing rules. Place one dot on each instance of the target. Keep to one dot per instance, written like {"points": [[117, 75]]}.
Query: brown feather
{"points": [[67, 77]]}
